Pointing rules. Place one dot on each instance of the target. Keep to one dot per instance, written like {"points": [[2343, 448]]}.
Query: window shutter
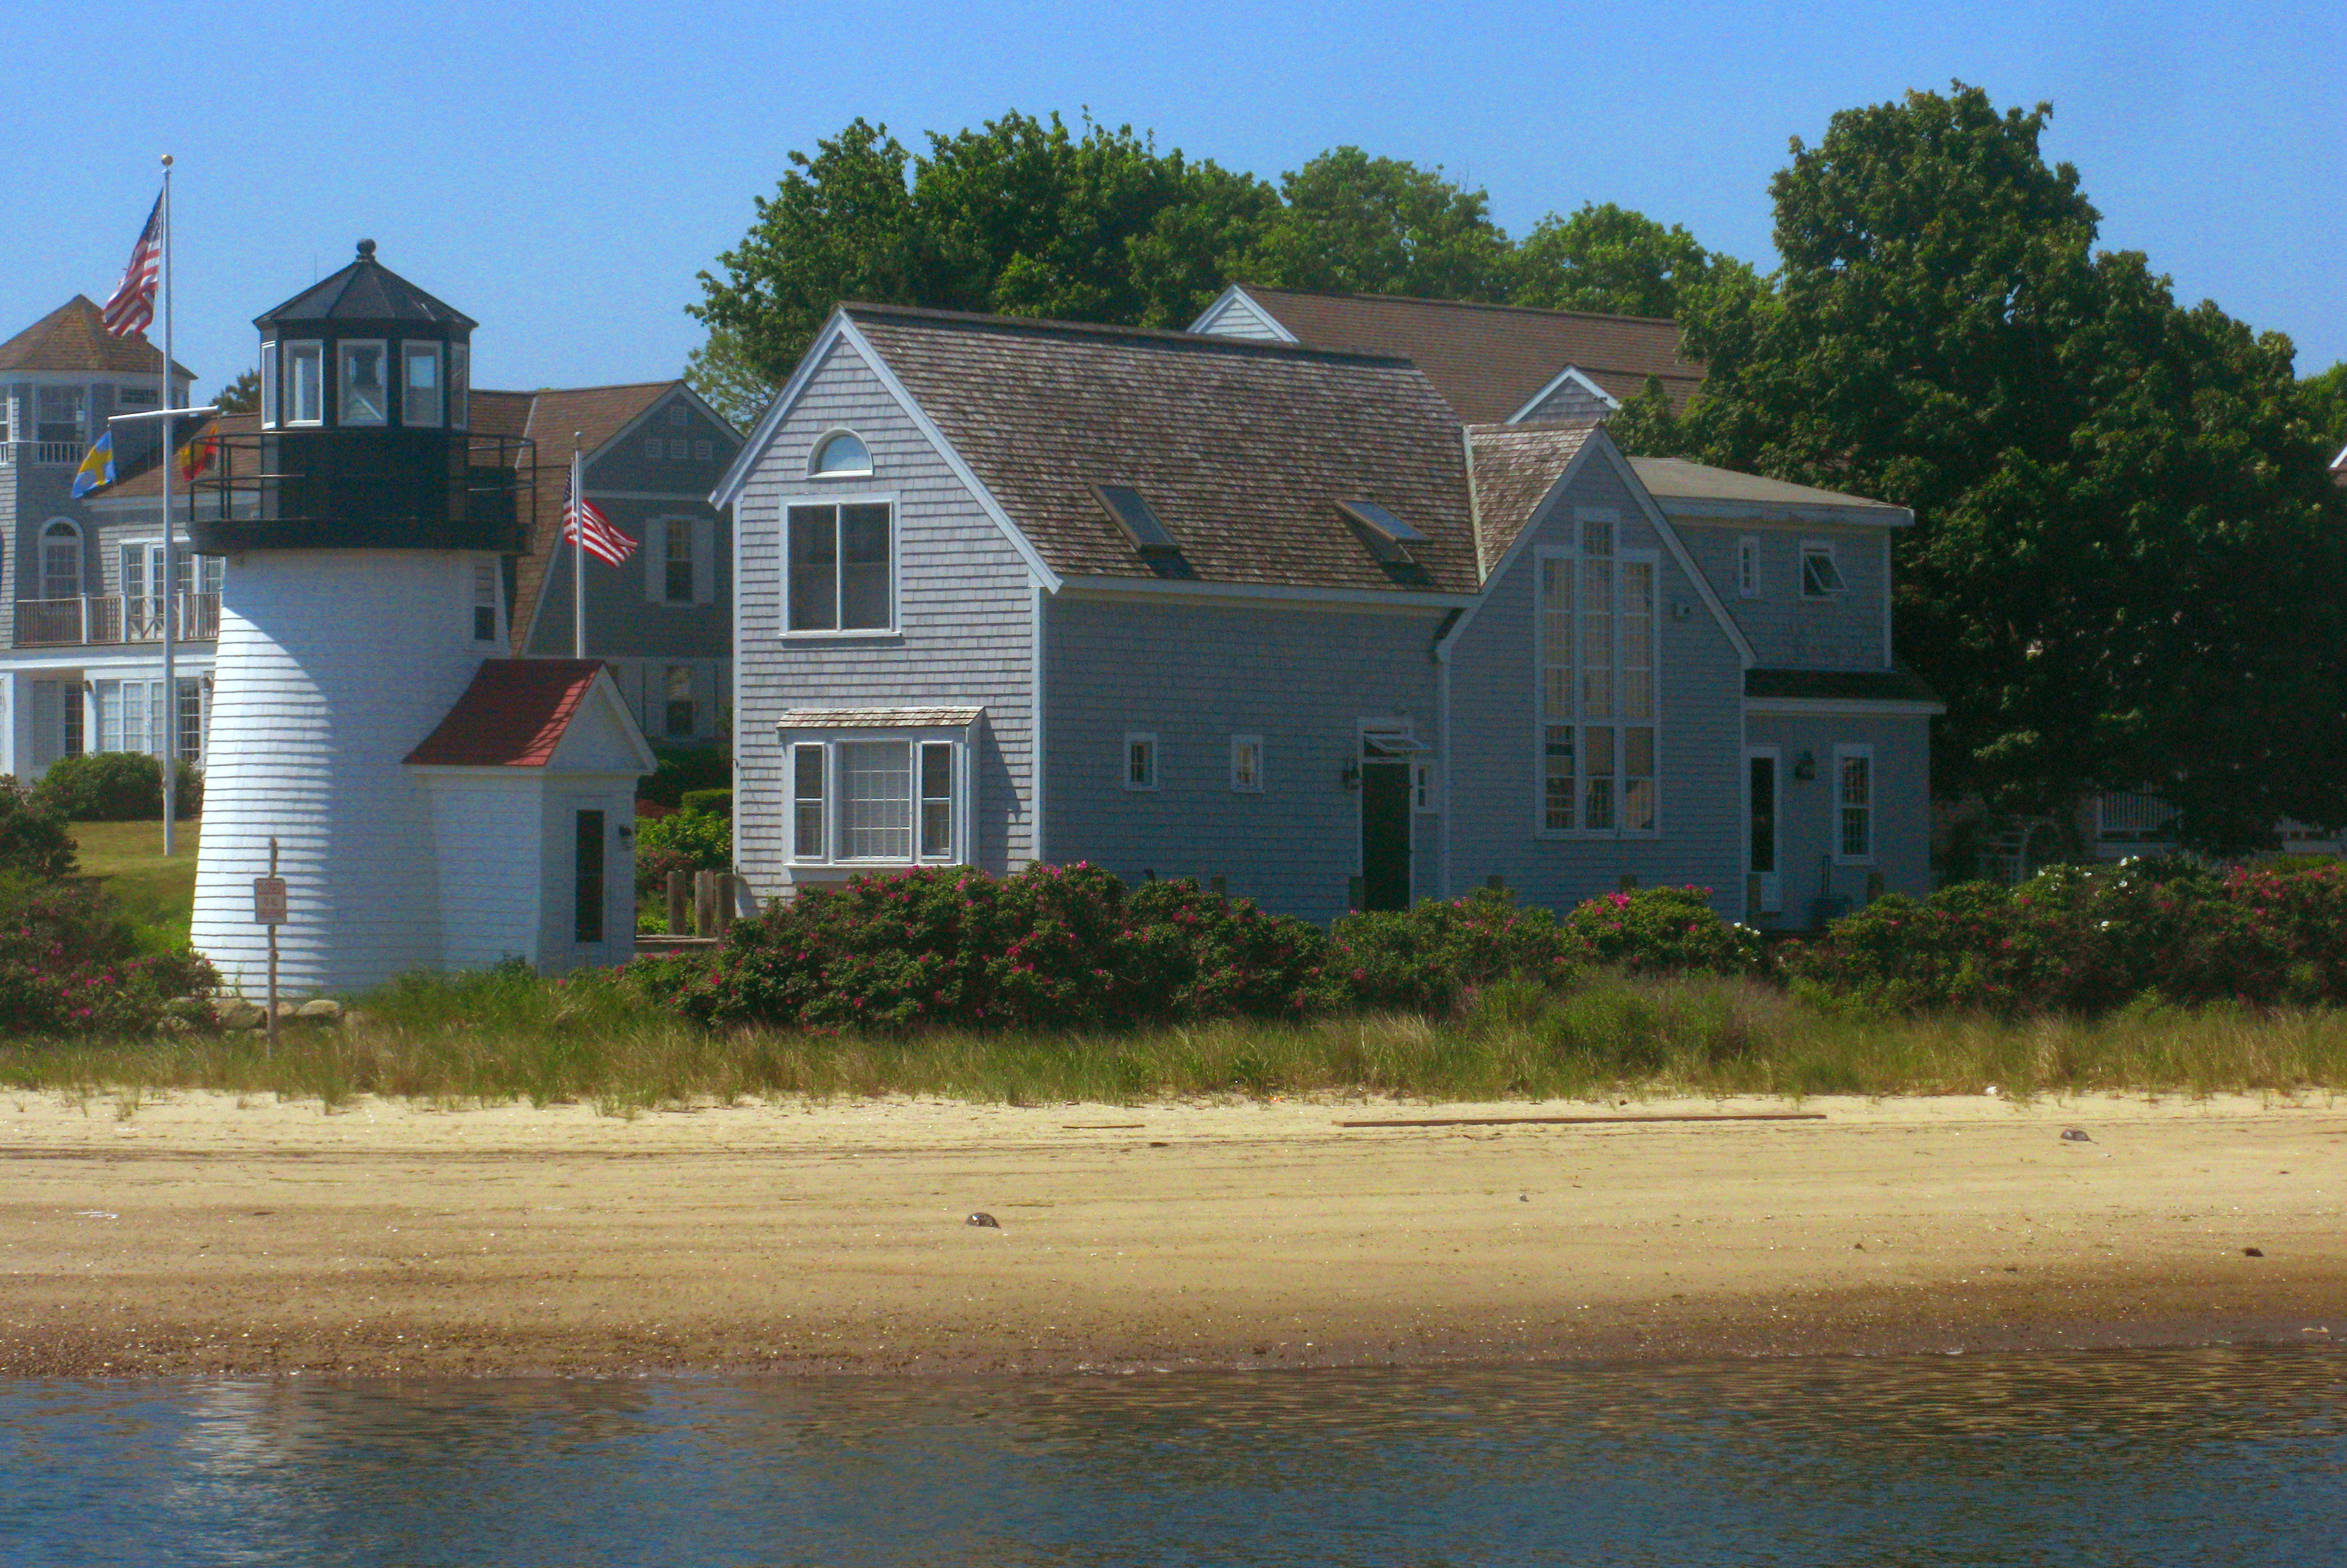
{"points": [[704, 692], [655, 554], [704, 560]]}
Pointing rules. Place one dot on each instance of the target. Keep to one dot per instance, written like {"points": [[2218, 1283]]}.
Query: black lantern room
{"points": [[365, 440]]}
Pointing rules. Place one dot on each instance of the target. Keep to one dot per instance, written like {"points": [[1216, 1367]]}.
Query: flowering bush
{"points": [[2086, 940], [686, 841], [1428, 958], [1049, 948], [1661, 930], [69, 965]]}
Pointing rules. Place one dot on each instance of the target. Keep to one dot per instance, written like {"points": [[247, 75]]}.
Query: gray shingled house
{"points": [[1189, 605]]}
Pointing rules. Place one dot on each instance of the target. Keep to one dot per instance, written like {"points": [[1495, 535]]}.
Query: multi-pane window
{"points": [[676, 567], [132, 716], [305, 384], [190, 716], [676, 413], [60, 560], [484, 601], [1747, 567], [937, 800], [1597, 697], [419, 390], [1821, 578], [876, 800], [1854, 802], [679, 714], [676, 450], [1246, 763], [892, 800], [807, 794], [1140, 761], [365, 399], [840, 568], [59, 412], [702, 451]]}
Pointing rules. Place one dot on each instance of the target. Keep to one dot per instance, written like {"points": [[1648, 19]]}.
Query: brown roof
{"points": [[513, 715], [550, 418], [1697, 489], [1516, 466], [1243, 449], [149, 484], [1491, 360], [73, 337]]}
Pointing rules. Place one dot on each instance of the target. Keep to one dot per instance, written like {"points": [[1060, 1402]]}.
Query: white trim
{"points": [[896, 564], [1748, 566], [1868, 707], [1124, 762], [1707, 509], [1392, 601], [1474, 514], [960, 737], [1235, 294], [269, 409], [1874, 803], [1038, 710], [440, 385], [286, 389], [1820, 547], [814, 450], [838, 330], [341, 400], [1620, 724], [1570, 373], [1254, 743]]}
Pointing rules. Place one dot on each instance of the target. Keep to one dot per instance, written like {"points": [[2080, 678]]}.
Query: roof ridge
{"points": [[558, 390], [1161, 336], [1461, 304]]}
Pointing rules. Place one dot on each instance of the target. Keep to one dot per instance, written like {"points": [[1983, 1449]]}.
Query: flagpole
{"points": [[579, 550], [170, 583]]}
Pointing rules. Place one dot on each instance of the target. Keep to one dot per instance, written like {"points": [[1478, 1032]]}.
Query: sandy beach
{"points": [[202, 1233]]}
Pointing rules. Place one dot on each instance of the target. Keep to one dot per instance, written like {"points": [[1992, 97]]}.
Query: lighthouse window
{"points": [[305, 384], [364, 401], [841, 568], [269, 385], [420, 383], [460, 385]]}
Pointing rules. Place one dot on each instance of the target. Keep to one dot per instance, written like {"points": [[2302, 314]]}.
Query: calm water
{"points": [[2197, 1456]]}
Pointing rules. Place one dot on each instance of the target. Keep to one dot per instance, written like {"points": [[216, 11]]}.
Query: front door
{"points": [[1385, 836], [589, 893], [1761, 803]]}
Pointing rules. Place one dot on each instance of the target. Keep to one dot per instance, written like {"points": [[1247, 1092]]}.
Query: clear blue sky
{"points": [[562, 172]]}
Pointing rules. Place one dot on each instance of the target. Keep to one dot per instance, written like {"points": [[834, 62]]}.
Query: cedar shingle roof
{"points": [[513, 715], [73, 337], [1243, 449], [1491, 360], [1515, 467]]}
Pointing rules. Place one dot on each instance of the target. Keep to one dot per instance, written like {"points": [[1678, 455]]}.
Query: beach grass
{"points": [[501, 1039], [154, 894]]}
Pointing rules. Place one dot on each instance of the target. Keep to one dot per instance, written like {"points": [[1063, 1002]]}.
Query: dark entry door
{"points": [[1385, 836], [587, 902]]}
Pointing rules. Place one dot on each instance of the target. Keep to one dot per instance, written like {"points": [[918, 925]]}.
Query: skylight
{"points": [[1380, 522], [1132, 513]]}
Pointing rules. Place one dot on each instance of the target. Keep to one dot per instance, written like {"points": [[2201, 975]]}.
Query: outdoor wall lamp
{"points": [[1805, 767], [1349, 775], [627, 834]]}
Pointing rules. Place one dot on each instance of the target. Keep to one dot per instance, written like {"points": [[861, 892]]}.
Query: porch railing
{"points": [[2134, 819], [114, 617]]}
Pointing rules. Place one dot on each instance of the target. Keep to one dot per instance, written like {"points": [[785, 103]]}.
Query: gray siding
{"points": [[1496, 714], [1784, 628], [1903, 826], [965, 619], [1194, 675], [1240, 319], [1571, 401]]}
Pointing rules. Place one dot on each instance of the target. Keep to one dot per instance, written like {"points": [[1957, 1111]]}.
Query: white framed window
{"points": [[484, 601], [1246, 763], [132, 716], [1820, 578], [677, 709], [269, 385], [676, 413], [877, 799], [1853, 798], [190, 722], [1140, 760], [702, 451], [676, 450], [676, 562], [305, 384], [1748, 567], [365, 399], [60, 560], [1599, 746], [60, 415], [460, 385], [654, 449], [838, 455], [420, 385], [840, 571], [1422, 796]]}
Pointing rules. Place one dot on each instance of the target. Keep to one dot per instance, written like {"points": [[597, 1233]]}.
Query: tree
{"points": [[2119, 500], [1612, 260], [2325, 398], [1356, 224], [241, 396]]}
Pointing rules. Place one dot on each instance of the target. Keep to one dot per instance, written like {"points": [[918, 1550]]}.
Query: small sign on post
{"points": [[269, 900]]}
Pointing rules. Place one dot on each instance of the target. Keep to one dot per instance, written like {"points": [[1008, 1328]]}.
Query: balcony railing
{"points": [[2134, 819], [43, 454], [112, 617]]}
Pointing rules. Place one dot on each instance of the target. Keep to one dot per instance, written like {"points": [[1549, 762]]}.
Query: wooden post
{"points": [[704, 903], [1221, 885], [1354, 895], [725, 880], [1629, 882], [272, 927], [679, 904]]}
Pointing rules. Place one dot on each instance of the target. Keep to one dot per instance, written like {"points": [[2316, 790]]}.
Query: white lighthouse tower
{"points": [[362, 613]]}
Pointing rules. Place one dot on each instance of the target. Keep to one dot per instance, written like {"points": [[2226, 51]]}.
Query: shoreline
{"points": [[199, 1235]]}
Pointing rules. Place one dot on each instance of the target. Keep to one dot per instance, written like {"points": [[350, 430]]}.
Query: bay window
{"points": [[1599, 762], [875, 799], [840, 573]]}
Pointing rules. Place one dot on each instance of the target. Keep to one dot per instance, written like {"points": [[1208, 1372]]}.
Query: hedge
{"points": [[117, 786]]}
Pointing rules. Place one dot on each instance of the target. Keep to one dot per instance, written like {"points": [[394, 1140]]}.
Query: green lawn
{"points": [[152, 890]]}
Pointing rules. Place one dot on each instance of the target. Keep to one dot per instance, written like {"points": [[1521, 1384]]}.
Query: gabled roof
{"points": [[1686, 489], [1241, 449], [1490, 361], [365, 291], [73, 337], [513, 715], [1516, 466]]}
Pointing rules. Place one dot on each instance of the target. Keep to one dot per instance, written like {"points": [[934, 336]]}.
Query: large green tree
{"points": [[2126, 564], [1350, 223], [1611, 259]]}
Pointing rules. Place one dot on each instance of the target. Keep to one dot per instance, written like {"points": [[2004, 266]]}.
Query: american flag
{"points": [[584, 523], [132, 308]]}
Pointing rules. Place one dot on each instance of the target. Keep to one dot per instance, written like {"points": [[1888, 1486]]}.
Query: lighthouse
{"points": [[435, 804]]}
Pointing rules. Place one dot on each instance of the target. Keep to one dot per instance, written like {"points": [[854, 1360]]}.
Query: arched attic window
{"points": [[840, 454], [60, 560]]}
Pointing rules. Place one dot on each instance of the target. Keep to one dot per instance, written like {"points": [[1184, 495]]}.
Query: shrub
{"points": [[69, 964], [32, 837], [1049, 947], [1427, 958], [1662, 931], [685, 841], [681, 768], [710, 802], [117, 786]]}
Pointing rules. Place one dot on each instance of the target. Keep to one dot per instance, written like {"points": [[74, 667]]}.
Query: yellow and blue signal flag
{"points": [[128, 451]]}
